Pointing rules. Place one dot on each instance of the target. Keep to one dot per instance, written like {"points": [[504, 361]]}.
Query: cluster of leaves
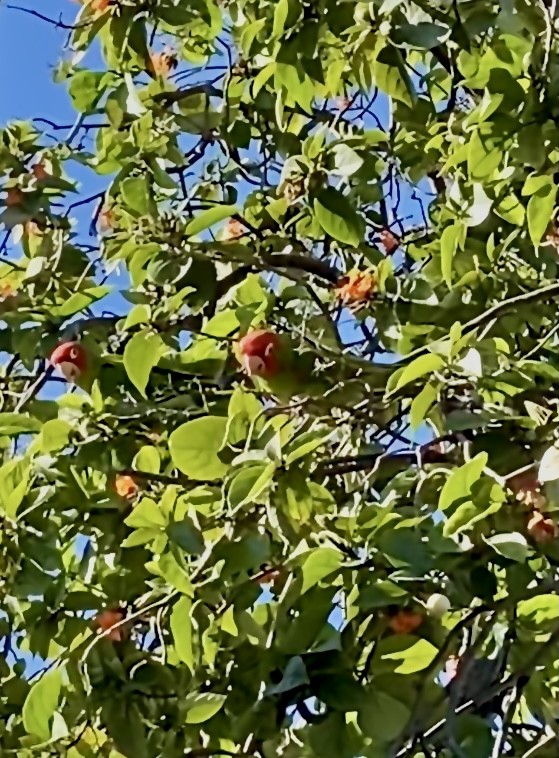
{"points": [[259, 559]]}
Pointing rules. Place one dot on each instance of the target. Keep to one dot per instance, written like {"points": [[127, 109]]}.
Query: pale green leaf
{"points": [[319, 564], [147, 459], [203, 706], [450, 239], [141, 354], [181, 629], [540, 208], [208, 218], [458, 486], [146, 514], [421, 404], [136, 194], [41, 703], [417, 657], [424, 364], [55, 435], [194, 448], [539, 612]]}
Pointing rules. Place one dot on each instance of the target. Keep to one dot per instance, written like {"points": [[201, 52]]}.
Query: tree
{"points": [[335, 537]]}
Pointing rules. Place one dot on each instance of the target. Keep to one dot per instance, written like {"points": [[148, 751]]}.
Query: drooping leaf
{"points": [[41, 703], [181, 629], [202, 707], [141, 354], [338, 218]]}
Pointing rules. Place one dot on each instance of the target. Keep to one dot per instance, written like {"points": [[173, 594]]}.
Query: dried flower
{"points": [[356, 287], [39, 171], [527, 489], [97, 7], [14, 196], [108, 618], [405, 622], [106, 220], [232, 230], [542, 529], [389, 241], [161, 64], [6, 291], [126, 487]]}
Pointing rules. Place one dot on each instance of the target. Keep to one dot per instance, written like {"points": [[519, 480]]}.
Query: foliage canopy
{"points": [[214, 564]]}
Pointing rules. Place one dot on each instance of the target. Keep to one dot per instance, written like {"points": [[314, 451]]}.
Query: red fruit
{"points": [[258, 353], [70, 359]]}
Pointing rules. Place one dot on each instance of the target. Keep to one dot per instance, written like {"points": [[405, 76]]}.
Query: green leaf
{"points": [[249, 484], [281, 12], [421, 404], [55, 435], [391, 76], [146, 514], [203, 706], [174, 574], [512, 546], [139, 314], [451, 237], [181, 629], [489, 500], [319, 564], [141, 354], [346, 160], [423, 35], [186, 536], [484, 157], [194, 448], [424, 364], [41, 703], [136, 194], [81, 300], [304, 444], [208, 218], [458, 486], [124, 726], [294, 676], [15, 480], [540, 208], [18, 423], [539, 612], [511, 209], [147, 459], [85, 90], [382, 716], [416, 656], [338, 217]]}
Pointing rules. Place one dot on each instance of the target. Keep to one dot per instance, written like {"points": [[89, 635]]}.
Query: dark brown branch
{"points": [[58, 24], [303, 263]]}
